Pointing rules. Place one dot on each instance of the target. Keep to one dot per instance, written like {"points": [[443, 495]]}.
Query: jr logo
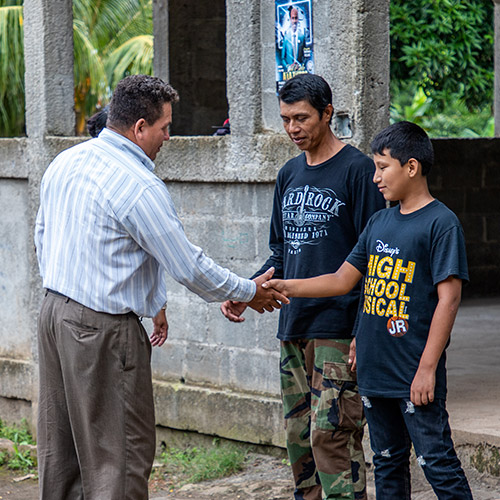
{"points": [[397, 327]]}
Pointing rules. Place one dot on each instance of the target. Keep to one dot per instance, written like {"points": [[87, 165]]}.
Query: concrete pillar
{"points": [[351, 51], [160, 33], [244, 62], [48, 55], [496, 97]]}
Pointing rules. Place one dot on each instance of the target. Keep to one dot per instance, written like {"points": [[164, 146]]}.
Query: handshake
{"points": [[264, 299]]}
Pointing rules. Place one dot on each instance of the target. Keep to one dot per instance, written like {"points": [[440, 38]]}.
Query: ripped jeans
{"points": [[394, 424]]}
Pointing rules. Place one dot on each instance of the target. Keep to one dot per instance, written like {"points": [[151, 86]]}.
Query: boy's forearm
{"points": [[321, 286], [326, 285], [442, 322], [424, 381]]}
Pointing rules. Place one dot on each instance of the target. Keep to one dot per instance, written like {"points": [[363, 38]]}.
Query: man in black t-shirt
{"points": [[322, 201]]}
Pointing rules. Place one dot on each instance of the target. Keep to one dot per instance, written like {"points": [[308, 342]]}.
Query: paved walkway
{"points": [[474, 372]]}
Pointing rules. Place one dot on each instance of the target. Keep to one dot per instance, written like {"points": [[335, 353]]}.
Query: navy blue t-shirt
{"points": [[318, 215], [403, 258]]}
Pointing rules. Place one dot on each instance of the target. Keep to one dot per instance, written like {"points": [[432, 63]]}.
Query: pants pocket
{"points": [[337, 403]]}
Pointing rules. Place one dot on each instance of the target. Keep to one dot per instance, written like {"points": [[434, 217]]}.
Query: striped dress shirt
{"points": [[107, 232]]}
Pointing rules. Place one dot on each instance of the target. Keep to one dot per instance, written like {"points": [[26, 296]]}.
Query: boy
{"points": [[413, 260]]}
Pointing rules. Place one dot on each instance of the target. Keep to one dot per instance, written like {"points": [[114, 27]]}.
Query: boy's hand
{"points": [[352, 354], [422, 387], [282, 286]]}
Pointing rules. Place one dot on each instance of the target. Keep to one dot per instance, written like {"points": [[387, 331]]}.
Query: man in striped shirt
{"points": [[106, 232]]}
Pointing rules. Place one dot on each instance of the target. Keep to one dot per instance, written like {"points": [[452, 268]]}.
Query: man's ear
{"points": [[328, 111], [413, 167], [138, 127]]}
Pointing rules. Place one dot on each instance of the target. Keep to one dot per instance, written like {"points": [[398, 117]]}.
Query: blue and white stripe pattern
{"points": [[107, 230]]}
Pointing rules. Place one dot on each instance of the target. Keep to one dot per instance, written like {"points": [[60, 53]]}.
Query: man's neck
{"points": [[325, 150]]}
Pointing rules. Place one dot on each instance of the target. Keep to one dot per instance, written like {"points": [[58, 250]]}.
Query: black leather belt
{"points": [[131, 313]]}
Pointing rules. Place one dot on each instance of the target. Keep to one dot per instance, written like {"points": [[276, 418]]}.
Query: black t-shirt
{"points": [[318, 214], [403, 258]]}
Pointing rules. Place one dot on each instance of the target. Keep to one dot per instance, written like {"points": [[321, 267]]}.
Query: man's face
{"points": [[294, 19], [151, 137], [303, 124]]}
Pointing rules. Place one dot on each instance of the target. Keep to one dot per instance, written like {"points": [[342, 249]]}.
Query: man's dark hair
{"points": [[405, 140], [139, 96], [306, 87], [97, 122]]}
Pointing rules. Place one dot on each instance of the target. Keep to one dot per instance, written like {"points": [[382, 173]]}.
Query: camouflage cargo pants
{"points": [[323, 420]]}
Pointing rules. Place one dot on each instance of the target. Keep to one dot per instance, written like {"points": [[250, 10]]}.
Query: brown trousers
{"points": [[96, 425]]}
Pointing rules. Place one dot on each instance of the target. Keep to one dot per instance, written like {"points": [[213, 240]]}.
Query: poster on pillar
{"points": [[294, 39]]}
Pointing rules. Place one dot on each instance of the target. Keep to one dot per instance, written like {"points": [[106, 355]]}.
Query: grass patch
{"points": [[19, 458], [196, 464]]}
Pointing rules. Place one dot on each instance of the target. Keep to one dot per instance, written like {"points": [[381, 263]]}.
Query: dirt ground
{"points": [[264, 478]]}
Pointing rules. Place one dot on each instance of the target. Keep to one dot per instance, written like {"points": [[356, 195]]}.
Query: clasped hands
{"points": [[265, 299]]}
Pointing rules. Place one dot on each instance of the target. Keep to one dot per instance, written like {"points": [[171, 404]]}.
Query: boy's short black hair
{"points": [[405, 140], [307, 87]]}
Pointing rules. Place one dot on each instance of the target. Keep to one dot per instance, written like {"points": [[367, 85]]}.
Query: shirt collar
{"points": [[120, 141]]}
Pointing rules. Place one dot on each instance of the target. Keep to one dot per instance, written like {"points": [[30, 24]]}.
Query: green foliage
{"points": [[11, 68], [412, 108], [112, 39], [198, 464], [454, 119], [444, 47], [19, 435], [21, 460]]}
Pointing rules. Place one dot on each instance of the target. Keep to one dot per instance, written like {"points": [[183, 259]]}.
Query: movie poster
{"points": [[294, 39]]}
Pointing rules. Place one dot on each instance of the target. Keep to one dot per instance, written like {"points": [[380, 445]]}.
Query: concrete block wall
{"points": [[197, 33], [466, 177]]}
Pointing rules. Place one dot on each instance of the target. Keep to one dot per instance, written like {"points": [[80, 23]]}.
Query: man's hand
{"points": [[266, 298], [233, 310], [160, 330]]}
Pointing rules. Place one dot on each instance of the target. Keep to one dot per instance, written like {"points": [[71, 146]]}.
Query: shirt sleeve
{"points": [[38, 237], [448, 256], [155, 226]]}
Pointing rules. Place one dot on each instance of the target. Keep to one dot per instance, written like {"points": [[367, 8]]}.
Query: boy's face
{"points": [[391, 178]]}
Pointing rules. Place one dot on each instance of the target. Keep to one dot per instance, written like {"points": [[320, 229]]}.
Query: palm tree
{"points": [[112, 38], [11, 68]]}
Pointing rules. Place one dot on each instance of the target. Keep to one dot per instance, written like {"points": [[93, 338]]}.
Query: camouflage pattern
{"points": [[324, 420]]}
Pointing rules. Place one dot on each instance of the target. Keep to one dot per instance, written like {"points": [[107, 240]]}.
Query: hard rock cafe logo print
{"points": [[306, 213]]}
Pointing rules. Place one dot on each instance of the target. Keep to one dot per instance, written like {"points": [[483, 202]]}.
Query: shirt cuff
{"points": [[248, 291]]}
